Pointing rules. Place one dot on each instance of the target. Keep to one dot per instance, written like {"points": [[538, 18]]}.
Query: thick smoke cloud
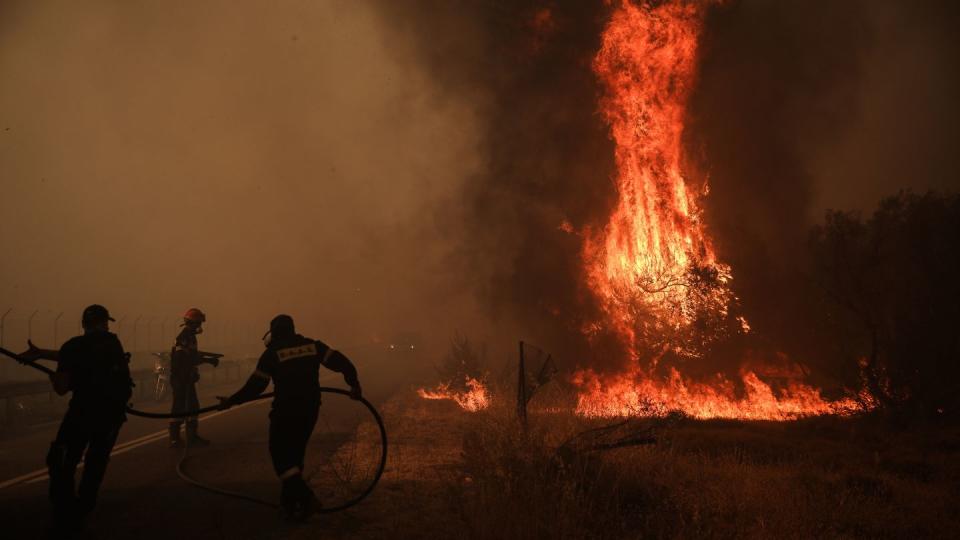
{"points": [[248, 158], [799, 107], [384, 167], [547, 159], [802, 107]]}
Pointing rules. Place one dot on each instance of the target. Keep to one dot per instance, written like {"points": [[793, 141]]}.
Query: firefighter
{"points": [[293, 362], [96, 369], [184, 375]]}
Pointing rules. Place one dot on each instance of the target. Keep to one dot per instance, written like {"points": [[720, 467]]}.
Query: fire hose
{"points": [[183, 476]]}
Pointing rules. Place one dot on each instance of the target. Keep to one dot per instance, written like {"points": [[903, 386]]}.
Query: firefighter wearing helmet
{"points": [[184, 361], [293, 362]]}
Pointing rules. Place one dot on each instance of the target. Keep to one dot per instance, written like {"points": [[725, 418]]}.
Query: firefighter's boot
{"points": [[193, 439], [175, 441]]}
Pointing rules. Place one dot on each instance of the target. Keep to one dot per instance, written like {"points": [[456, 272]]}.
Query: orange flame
{"points": [[631, 395], [653, 267], [475, 398]]}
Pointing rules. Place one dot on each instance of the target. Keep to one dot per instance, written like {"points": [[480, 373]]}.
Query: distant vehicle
{"points": [[161, 371], [404, 342]]}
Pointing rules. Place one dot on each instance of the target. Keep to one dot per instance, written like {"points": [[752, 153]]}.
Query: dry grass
{"points": [[819, 478], [453, 474]]}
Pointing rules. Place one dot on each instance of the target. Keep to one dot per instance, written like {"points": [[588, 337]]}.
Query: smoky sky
{"points": [[377, 168], [546, 159], [799, 107], [805, 106], [247, 158]]}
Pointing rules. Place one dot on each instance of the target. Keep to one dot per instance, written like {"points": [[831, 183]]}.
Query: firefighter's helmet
{"points": [[194, 315]]}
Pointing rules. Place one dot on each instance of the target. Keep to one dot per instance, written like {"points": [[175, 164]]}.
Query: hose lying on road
{"points": [[342, 506], [202, 410]]}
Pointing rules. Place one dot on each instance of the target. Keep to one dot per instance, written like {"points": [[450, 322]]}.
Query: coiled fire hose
{"points": [[183, 476]]}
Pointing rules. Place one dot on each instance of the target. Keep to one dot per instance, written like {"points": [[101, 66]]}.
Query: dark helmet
{"points": [[280, 326], [95, 314]]}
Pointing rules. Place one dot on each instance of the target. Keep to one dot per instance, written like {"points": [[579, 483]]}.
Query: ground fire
{"points": [[473, 398]]}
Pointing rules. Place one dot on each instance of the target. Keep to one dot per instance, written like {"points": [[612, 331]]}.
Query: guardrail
{"points": [[13, 394]]}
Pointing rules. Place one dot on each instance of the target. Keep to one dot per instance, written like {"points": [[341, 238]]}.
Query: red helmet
{"points": [[194, 315]]}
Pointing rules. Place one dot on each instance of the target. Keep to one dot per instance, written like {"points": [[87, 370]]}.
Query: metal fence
{"points": [[35, 401], [141, 333]]}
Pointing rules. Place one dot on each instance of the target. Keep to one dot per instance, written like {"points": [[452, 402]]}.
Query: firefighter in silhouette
{"points": [[96, 369], [185, 358], [293, 362]]}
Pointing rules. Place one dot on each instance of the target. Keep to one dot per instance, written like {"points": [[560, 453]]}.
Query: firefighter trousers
{"points": [[80, 437], [184, 399], [290, 431]]}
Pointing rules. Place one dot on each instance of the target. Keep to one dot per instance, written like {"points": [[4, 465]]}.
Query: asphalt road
{"points": [[142, 497]]}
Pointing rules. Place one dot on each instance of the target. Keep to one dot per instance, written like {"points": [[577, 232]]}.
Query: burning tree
{"points": [[653, 267]]}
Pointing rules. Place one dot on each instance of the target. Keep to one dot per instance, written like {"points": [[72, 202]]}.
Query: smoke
{"points": [[799, 107], [802, 107], [387, 167], [244, 158], [547, 159]]}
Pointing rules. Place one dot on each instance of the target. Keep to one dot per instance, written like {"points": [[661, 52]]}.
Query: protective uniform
{"points": [[99, 376], [293, 362], [184, 360]]}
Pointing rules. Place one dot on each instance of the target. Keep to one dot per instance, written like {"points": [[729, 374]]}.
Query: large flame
{"points": [[643, 264], [628, 394], [653, 266], [474, 398]]}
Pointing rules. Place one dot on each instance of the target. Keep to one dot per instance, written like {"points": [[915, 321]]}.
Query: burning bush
{"points": [[463, 376]]}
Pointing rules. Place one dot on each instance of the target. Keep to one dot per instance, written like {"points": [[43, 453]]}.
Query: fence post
{"points": [[3, 320], [150, 330], [522, 389], [135, 323], [163, 331], [56, 323], [30, 324], [120, 327]]}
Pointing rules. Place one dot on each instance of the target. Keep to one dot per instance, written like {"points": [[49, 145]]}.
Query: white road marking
{"points": [[41, 474]]}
